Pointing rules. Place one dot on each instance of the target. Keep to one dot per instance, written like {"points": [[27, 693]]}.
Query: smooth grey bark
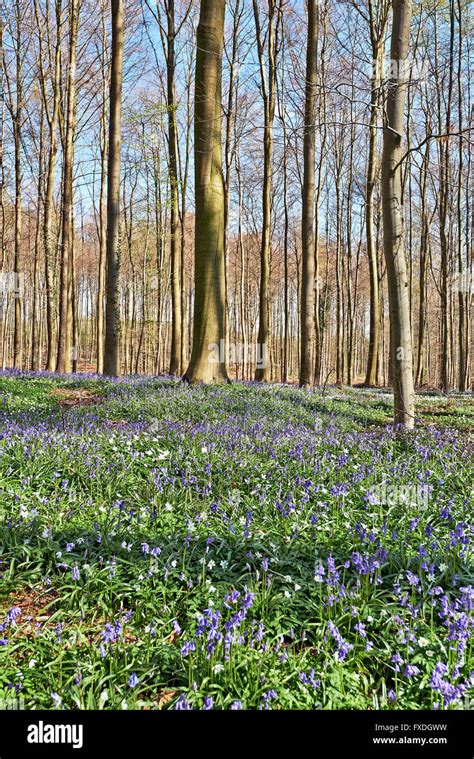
{"points": [[209, 254], [394, 248], [64, 355], [112, 314], [308, 197]]}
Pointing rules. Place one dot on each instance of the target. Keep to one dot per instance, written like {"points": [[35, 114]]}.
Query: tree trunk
{"points": [[209, 277], [424, 242], [262, 372], [394, 249], [64, 356], [34, 308], [112, 314], [52, 118], [307, 226], [374, 334], [102, 207], [175, 358]]}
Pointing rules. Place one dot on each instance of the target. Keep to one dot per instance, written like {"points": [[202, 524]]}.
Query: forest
{"points": [[301, 141], [236, 346]]}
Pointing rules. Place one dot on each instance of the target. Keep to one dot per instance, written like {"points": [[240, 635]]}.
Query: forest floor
{"points": [[240, 546]]}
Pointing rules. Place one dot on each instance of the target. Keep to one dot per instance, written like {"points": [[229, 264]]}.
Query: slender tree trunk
{"points": [[102, 208], [17, 344], [462, 295], [374, 334], [350, 282], [318, 321], [52, 118], [307, 226], [64, 356], [286, 313], [444, 198], [228, 154], [16, 111], [112, 316], [424, 241], [394, 249], [268, 81], [339, 324], [2, 161], [175, 358], [3, 247], [184, 174], [34, 307], [158, 248], [72, 304]]}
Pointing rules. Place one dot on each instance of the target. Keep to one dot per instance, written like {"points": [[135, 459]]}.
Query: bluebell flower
{"points": [[176, 627], [188, 647], [267, 697], [412, 579], [182, 704], [13, 614], [343, 647], [397, 660], [360, 628]]}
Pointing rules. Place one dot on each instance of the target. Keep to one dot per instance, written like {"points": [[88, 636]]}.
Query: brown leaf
{"points": [[173, 637], [164, 697]]}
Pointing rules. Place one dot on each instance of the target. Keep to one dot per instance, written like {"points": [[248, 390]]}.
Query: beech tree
{"points": [[307, 232], [268, 80], [394, 248], [209, 292], [65, 356], [112, 315]]}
